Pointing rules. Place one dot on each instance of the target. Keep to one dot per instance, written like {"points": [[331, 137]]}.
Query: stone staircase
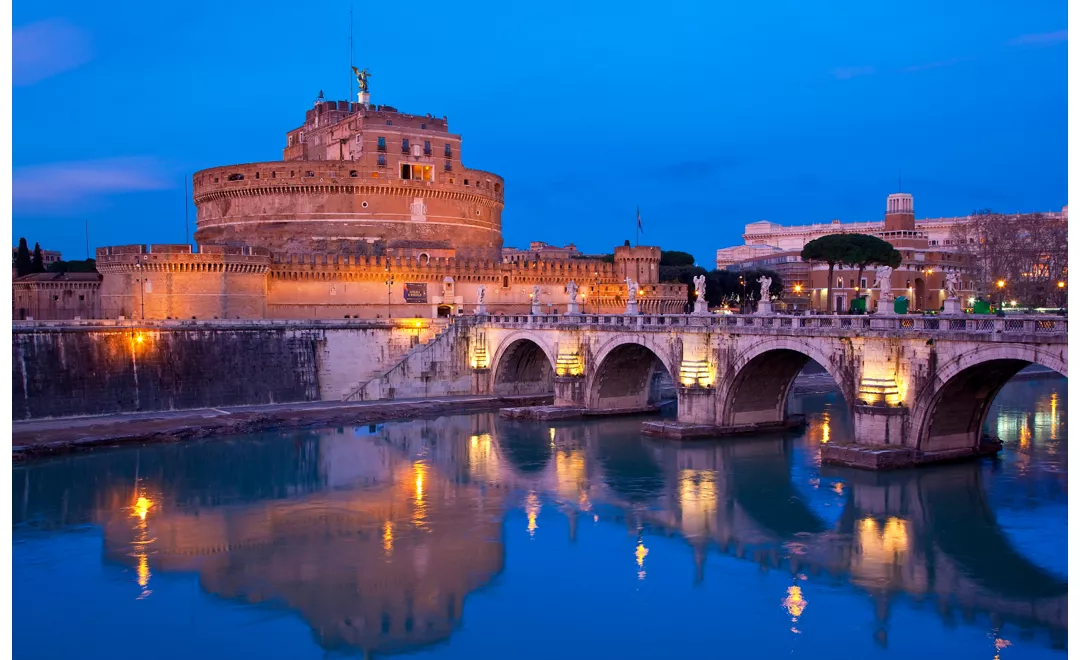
{"points": [[414, 364]]}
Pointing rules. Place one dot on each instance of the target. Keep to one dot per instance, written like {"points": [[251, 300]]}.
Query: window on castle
{"points": [[389, 122], [290, 140], [506, 281], [447, 151], [257, 176], [448, 167], [423, 127], [404, 145], [352, 173], [382, 143], [273, 175], [310, 173], [301, 137], [236, 176], [359, 139], [466, 182], [427, 147], [81, 298], [382, 160], [416, 172]]}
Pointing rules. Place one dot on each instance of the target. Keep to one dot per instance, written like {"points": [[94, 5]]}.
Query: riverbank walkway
{"points": [[59, 435]]}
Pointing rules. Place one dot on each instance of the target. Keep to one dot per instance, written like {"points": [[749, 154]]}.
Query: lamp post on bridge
{"points": [[142, 288], [389, 283]]}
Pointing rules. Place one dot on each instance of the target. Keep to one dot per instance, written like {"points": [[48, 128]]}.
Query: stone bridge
{"points": [[918, 388]]}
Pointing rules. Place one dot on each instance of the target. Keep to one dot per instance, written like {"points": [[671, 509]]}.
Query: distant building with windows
{"points": [[48, 256], [538, 250], [926, 246]]}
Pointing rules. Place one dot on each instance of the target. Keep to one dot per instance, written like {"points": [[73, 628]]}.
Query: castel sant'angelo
{"points": [[371, 212]]}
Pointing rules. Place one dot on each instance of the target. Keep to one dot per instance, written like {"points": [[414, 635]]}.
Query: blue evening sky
{"points": [[707, 115]]}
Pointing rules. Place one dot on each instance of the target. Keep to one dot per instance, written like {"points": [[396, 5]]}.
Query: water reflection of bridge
{"points": [[375, 536]]}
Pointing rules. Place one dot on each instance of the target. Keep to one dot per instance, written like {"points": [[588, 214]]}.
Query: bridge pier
{"points": [[569, 392]]}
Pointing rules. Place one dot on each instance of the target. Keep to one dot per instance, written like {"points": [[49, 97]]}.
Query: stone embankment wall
{"points": [[102, 367]]}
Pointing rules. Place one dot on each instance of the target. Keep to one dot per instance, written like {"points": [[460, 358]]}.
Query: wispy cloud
{"points": [[1040, 39], [934, 65], [60, 187], [43, 49], [696, 169], [848, 72]]}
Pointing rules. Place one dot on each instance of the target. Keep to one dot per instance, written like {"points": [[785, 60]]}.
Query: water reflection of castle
{"points": [[375, 536]]}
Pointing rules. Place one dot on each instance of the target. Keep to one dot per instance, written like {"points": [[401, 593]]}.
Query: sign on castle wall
{"points": [[416, 292]]}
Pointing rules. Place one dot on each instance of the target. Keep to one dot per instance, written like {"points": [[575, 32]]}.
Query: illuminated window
{"points": [[417, 172]]}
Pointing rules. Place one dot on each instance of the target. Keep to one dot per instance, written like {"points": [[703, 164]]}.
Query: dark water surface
{"points": [[474, 537]]}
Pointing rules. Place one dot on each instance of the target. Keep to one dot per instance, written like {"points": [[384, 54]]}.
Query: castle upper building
{"points": [[360, 179], [370, 213]]}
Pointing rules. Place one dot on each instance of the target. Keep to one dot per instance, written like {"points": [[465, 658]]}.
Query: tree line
{"points": [[28, 263], [722, 287], [852, 250]]}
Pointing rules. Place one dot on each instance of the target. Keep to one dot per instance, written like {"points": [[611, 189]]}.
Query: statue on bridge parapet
{"points": [[572, 291], [535, 309], [480, 307], [631, 296], [700, 304], [952, 305], [765, 303], [883, 280]]}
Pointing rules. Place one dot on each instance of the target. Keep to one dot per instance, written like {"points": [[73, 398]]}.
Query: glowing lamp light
{"points": [[142, 507], [798, 288], [1001, 284], [479, 358], [1061, 285], [1013, 303], [569, 364], [695, 373]]}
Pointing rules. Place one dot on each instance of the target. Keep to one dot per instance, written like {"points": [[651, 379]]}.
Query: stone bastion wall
{"points": [[70, 368]]}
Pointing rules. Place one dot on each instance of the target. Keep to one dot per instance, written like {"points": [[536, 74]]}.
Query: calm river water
{"points": [[471, 536]]}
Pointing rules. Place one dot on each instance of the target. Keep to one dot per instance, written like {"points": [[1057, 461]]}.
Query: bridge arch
{"points": [[622, 372], [524, 363], [759, 379], [950, 410]]}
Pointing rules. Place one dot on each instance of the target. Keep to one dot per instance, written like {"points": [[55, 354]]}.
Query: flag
{"points": [[639, 220]]}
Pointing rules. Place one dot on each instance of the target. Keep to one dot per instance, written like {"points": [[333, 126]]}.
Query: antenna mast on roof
{"points": [[351, 63]]}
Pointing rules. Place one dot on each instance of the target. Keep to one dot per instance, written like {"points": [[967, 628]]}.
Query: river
{"points": [[473, 536]]}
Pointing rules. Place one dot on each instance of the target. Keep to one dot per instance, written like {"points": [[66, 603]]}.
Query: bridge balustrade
{"points": [[901, 324]]}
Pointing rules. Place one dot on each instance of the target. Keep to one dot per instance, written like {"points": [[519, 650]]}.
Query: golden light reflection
{"points": [[820, 428], [1053, 416], [640, 553], [143, 570], [697, 500], [1000, 644], [420, 471], [532, 510], [388, 537], [838, 488], [552, 435], [794, 603], [142, 507]]}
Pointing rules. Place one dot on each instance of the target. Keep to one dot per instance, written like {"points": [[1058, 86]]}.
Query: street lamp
{"points": [[1001, 292], [142, 289], [742, 300], [596, 289], [389, 283]]}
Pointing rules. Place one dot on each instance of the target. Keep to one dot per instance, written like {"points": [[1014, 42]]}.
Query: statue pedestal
{"points": [[363, 98], [535, 311], [953, 307], [701, 308], [481, 310], [572, 308], [632, 308], [764, 307], [885, 306]]}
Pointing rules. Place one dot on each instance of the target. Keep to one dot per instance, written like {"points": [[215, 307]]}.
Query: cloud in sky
{"points": [[1040, 39], [64, 187], [934, 65], [43, 49], [848, 72]]}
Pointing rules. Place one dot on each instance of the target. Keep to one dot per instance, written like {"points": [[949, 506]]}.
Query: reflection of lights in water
{"points": [[142, 542], [419, 513], [697, 500], [998, 645], [483, 461], [1025, 434], [820, 427], [552, 434], [420, 470], [388, 537], [1053, 416], [142, 507], [795, 605], [825, 428], [640, 552], [838, 488], [881, 549], [570, 472], [532, 509], [583, 500]]}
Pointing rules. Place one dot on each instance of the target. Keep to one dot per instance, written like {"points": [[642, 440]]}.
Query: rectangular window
{"points": [[862, 283], [448, 167], [839, 283], [382, 143], [446, 151], [301, 137], [290, 140], [382, 160], [427, 147], [404, 145], [417, 172], [359, 139]]}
